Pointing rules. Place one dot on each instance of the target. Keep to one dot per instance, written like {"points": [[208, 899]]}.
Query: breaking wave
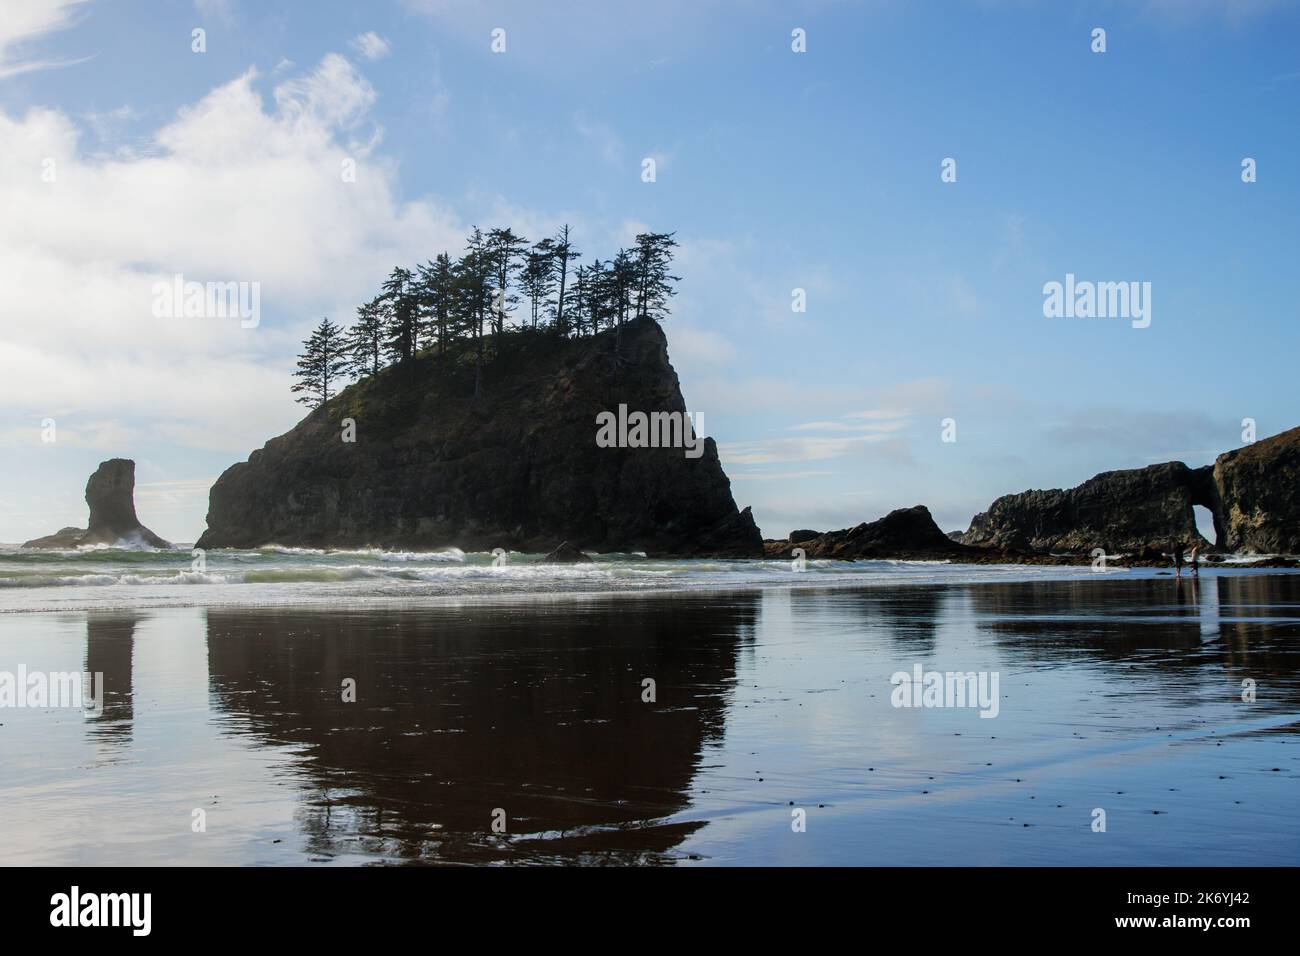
{"points": [[105, 577]]}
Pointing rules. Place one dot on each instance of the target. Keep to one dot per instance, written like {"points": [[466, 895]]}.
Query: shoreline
{"points": [[353, 602]]}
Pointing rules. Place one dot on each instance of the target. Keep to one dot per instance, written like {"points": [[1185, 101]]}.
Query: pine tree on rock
{"points": [[653, 253], [437, 296], [599, 294], [403, 314], [323, 361], [365, 341], [475, 274], [580, 287], [504, 250], [447, 299], [538, 278], [563, 253]]}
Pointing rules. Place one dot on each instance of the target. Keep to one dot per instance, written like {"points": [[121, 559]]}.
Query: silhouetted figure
{"points": [[1178, 560], [1196, 567]]}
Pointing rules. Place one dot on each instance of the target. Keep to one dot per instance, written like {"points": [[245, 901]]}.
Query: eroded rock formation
{"points": [[904, 533], [1120, 511], [518, 468], [1259, 487], [110, 494], [1251, 494]]}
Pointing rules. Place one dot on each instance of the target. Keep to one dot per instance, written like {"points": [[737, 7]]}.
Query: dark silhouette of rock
{"points": [[1259, 486], [1252, 493], [1141, 514], [904, 533], [518, 468], [567, 554], [110, 493], [63, 538], [1120, 511]]}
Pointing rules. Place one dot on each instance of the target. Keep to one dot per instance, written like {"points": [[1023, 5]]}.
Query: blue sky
{"points": [[778, 170]]}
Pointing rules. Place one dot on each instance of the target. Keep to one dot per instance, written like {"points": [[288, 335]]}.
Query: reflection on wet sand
{"points": [[110, 649], [911, 615], [458, 714], [1157, 628], [1122, 692]]}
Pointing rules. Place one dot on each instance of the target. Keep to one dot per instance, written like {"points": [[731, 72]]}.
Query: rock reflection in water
{"points": [[459, 713], [1182, 632], [110, 650]]}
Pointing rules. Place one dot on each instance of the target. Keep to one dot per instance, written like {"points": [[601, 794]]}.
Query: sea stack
{"points": [[905, 533], [110, 495], [1250, 493], [430, 464], [1132, 510]]}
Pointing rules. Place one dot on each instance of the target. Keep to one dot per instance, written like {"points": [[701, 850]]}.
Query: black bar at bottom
{"points": [[304, 905]]}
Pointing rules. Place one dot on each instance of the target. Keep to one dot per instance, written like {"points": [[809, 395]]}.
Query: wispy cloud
{"points": [[895, 424], [819, 448], [371, 45], [22, 22]]}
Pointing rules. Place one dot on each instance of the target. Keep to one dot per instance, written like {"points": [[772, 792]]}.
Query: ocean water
{"points": [[107, 578], [634, 711]]}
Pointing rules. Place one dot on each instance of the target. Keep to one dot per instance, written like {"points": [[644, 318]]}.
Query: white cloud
{"points": [[232, 189], [22, 21], [881, 426], [371, 45], [770, 450]]}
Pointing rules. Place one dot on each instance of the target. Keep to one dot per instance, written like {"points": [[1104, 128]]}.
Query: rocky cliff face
{"points": [[1251, 493], [1259, 486], [110, 494], [1116, 510], [519, 468]]}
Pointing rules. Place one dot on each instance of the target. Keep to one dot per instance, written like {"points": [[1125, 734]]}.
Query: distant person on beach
{"points": [[1178, 559], [1196, 568]]}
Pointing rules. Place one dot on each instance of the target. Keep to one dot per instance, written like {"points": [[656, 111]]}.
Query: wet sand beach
{"points": [[772, 736]]}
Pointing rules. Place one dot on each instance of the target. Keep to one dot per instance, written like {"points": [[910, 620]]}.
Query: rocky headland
{"points": [[1251, 494]]}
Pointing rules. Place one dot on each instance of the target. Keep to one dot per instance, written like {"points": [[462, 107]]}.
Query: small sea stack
{"points": [[110, 495]]}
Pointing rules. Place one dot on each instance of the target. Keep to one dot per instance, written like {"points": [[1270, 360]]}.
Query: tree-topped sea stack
{"points": [[517, 468]]}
